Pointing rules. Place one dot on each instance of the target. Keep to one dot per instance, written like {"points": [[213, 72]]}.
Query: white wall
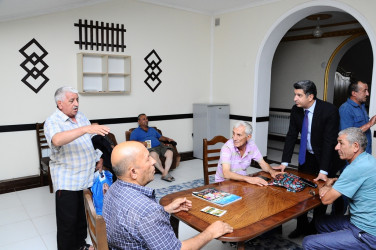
{"points": [[244, 48], [241, 76], [300, 60], [181, 39]]}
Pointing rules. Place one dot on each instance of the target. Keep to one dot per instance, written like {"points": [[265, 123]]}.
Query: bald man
{"points": [[134, 220]]}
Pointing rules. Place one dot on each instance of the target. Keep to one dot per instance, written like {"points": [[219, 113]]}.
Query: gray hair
{"points": [[247, 125], [60, 93], [355, 135]]}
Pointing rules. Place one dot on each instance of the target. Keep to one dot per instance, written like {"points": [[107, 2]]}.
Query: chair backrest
{"points": [[95, 223], [112, 138], [129, 132], [211, 150], [43, 148]]}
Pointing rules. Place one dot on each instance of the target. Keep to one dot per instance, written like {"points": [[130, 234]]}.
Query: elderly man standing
{"points": [[134, 220], [237, 155], [152, 141], [358, 183], [68, 133]]}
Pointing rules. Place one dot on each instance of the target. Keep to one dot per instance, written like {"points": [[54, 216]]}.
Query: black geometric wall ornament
{"points": [[34, 65], [153, 70], [100, 35]]}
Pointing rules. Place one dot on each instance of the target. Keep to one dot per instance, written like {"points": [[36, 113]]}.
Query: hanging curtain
{"points": [[341, 84]]}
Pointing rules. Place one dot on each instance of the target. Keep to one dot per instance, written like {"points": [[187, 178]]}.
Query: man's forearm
{"points": [[198, 241], [366, 126], [266, 167], [234, 176], [65, 137]]}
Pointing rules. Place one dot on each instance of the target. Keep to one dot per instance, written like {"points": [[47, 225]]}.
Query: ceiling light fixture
{"points": [[317, 32]]}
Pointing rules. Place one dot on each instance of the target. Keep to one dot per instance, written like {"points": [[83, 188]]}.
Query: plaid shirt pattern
{"points": [[134, 220], [72, 165], [238, 164]]}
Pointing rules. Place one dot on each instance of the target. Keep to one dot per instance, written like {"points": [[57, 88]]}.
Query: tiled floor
{"points": [[27, 218]]}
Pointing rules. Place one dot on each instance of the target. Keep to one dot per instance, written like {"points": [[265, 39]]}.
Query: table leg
{"points": [[175, 225], [241, 245]]}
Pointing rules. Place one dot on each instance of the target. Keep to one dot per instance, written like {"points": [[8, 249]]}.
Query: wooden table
{"points": [[260, 209]]}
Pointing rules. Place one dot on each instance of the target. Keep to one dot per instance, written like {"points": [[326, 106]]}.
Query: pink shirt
{"points": [[231, 155]]}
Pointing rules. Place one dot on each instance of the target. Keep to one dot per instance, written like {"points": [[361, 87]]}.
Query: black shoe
{"points": [[295, 234], [310, 230]]}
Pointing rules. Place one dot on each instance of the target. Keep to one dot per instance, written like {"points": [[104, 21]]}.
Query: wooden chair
{"points": [[211, 155], [95, 223], [176, 156], [112, 138], [43, 153]]}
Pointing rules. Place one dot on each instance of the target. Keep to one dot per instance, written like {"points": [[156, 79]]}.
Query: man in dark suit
{"points": [[316, 154]]}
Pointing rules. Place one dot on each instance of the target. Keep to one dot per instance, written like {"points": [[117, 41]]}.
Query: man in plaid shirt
{"points": [[68, 133], [134, 220]]}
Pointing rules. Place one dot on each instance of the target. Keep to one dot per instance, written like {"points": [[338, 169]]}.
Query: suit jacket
{"points": [[324, 133]]}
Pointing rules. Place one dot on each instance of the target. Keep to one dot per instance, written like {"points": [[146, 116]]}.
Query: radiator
{"points": [[279, 123]]}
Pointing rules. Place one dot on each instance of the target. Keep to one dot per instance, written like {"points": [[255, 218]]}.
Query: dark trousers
{"points": [[310, 166], [70, 219]]}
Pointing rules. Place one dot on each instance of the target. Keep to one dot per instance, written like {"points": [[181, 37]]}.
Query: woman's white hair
{"points": [[247, 125]]}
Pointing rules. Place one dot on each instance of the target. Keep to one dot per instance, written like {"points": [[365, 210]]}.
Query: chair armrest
{"points": [[173, 143]]}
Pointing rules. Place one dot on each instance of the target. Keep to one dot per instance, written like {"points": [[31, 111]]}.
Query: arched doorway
{"points": [[268, 47], [333, 64]]}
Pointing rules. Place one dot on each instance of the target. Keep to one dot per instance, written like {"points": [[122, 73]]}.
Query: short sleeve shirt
{"points": [[134, 220], [355, 115], [72, 165], [141, 135], [358, 183], [238, 164]]}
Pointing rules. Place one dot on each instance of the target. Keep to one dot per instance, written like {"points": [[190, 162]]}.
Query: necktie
{"points": [[303, 139]]}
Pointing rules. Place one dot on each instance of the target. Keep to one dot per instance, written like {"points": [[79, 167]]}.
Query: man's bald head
{"points": [[124, 155]]}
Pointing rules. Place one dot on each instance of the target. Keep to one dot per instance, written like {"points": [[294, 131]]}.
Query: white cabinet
{"points": [[103, 74], [209, 120]]}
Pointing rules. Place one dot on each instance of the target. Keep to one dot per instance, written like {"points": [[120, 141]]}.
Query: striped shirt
{"points": [[134, 220], [238, 164], [72, 165]]}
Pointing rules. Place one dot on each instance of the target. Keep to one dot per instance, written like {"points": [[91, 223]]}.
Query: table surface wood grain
{"points": [[260, 209]]}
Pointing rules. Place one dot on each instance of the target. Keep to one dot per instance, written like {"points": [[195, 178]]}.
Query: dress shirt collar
{"points": [[149, 192], [312, 108], [352, 103], [64, 117]]}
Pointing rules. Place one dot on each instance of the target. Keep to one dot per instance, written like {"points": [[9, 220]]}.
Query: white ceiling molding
{"points": [[210, 7], [19, 9]]}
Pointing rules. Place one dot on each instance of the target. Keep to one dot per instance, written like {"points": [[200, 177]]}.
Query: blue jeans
{"points": [[336, 232]]}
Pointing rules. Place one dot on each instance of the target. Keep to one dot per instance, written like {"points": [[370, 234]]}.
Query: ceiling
{"points": [[19, 9]]}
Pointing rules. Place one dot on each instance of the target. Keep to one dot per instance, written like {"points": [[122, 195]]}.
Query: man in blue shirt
{"points": [[152, 141], [353, 112], [358, 183], [134, 220]]}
